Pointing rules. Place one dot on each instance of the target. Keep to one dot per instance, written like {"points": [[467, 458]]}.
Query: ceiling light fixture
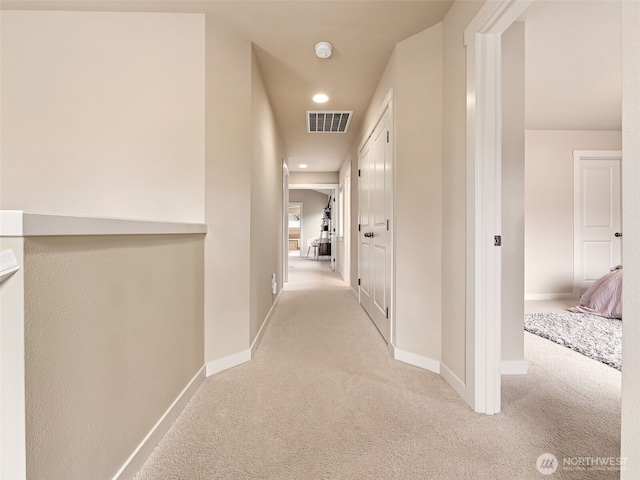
{"points": [[323, 49], [303, 165], [320, 98]]}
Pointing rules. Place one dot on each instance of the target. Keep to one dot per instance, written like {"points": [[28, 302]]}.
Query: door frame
{"points": [[322, 186], [285, 222], [578, 156], [483, 41], [345, 222]]}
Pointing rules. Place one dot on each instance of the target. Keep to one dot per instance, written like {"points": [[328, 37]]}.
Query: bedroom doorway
{"points": [[484, 135]]}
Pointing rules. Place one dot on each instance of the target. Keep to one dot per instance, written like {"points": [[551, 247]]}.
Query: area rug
{"points": [[596, 337]]}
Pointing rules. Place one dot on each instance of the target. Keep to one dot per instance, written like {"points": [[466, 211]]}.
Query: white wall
{"points": [[313, 207], [549, 204], [630, 442], [513, 104], [418, 193], [266, 202], [454, 294], [228, 197], [243, 200], [103, 114], [312, 178]]}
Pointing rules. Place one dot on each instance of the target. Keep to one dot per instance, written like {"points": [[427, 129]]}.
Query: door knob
{"points": [[618, 234]]}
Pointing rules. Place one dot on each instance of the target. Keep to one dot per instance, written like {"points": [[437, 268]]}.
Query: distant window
{"points": [[294, 220]]}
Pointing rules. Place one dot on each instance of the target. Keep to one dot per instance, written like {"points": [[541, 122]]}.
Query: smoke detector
{"points": [[323, 49]]}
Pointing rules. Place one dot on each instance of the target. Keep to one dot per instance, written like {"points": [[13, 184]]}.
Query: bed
{"points": [[604, 296]]}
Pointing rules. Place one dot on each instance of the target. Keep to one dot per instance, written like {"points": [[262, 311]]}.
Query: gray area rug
{"points": [[599, 338]]}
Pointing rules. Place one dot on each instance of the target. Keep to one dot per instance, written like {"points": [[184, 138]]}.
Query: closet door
{"points": [[597, 227], [376, 190], [365, 226]]}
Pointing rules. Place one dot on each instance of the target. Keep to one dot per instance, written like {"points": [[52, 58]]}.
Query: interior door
{"points": [[365, 226], [598, 225], [376, 183]]}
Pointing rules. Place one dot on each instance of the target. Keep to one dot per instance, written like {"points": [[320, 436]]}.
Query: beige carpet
{"points": [[323, 400]]}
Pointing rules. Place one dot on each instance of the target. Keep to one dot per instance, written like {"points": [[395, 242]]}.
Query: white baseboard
{"points": [[415, 359], [243, 356], [144, 449], [263, 328], [514, 367], [229, 361], [354, 292], [453, 380], [551, 296]]}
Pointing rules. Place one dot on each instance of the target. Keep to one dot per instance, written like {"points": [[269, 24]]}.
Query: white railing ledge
{"points": [[18, 223]]}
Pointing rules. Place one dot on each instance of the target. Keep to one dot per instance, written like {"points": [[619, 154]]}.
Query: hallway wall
{"points": [[243, 200], [454, 177], [228, 197], [414, 71], [418, 193], [310, 178], [266, 202], [106, 354], [103, 114]]}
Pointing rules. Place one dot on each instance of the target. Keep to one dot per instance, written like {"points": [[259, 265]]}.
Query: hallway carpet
{"points": [[323, 399]]}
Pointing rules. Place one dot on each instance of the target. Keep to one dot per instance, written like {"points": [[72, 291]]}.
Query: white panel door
{"points": [[365, 278], [597, 227], [376, 182]]}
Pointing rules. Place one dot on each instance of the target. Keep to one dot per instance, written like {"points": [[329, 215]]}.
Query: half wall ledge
{"points": [[18, 223]]}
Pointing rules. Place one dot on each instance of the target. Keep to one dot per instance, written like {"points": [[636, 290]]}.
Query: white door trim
{"points": [[346, 226], [285, 222], [484, 142], [578, 156]]}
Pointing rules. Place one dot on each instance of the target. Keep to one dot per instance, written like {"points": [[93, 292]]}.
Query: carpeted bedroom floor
{"points": [[323, 399]]}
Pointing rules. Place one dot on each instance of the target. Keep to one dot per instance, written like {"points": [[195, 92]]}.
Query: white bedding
{"points": [[604, 296]]}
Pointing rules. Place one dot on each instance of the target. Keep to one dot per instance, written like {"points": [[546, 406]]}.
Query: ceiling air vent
{"points": [[319, 121]]}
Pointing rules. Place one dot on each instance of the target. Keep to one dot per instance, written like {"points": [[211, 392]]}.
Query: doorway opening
{"points": [[294, 228], [483, 40], [315, 239]]}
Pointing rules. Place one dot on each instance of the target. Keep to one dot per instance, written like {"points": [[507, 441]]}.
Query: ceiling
{"points": [[573, 69], [572, 58], [284, 33]]}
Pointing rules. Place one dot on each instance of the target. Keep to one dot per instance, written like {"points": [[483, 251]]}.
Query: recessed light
{"points": [[303, 165], [320, 98]]}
